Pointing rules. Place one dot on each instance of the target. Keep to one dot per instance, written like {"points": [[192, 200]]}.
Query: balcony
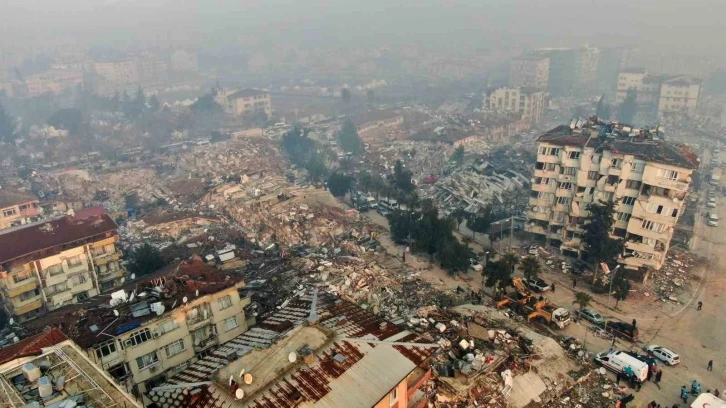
{"points": [[541, 202], [542, 216], [416, 380], [573, 243], [544, 188], [547, 158], [25, 286], [535, 229], [547, 173], [103, 259], [27, 307], [110, 275]]}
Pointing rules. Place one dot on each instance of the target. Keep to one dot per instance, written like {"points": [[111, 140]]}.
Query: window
{"points": [[573, 155], [653, 226], [74, 261], [198, 314], [167, 326], [174, 348], [29, 294], [54, 270], [549, 167], [565, 186], [225, 302], [230, 323], [674, 213], [638, 167], [667, 174], [563, 201], [79, 279], [569, 171], [592, 175], [147, 360], [623, 216], [632, 184], [544, 180], [549, 151], [616, 163], [544, 196], [393, 397], [199, 335], [140, 337], [607, 195], [558, 216], [105, 349], [57, 288], [628, 200], [8, 213], [19, 277]]}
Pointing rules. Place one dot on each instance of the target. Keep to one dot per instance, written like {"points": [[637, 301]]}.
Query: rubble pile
{"points": [[669, 282], [471, 190], [235, 157]]}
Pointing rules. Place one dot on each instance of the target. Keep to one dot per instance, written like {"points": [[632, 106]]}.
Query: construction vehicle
{"points": [[547, 312], [522, 301]]}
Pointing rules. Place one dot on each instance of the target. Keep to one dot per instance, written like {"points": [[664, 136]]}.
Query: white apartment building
{"points": [[577, 166], [526, 101], [665, 94], [530, 72]]}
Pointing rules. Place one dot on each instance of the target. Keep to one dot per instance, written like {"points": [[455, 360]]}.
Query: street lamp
{"points": [[610, 291]]}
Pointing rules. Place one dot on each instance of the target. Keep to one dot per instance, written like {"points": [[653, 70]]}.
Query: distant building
{"points": [[661, 94], [41, 362], [529, 72], [587, 61], [151, 69], [527, 102], [185, 61], [53, 81], [17, 208], [245, 101], [570, 68], [374, 124], [589, 162], [47, 265], [118, 72]]}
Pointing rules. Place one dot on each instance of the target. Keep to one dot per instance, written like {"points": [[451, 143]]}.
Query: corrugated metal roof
{"points": [[366, 375]]}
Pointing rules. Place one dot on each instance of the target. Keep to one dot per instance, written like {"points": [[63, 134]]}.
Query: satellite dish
{"points": [[230, 380], [11, 321], [184, 299], [239, 394], [197, 293], [241, 373], [132, 297], [133, 276], [115, 312], [248, 378], [292, 357]]}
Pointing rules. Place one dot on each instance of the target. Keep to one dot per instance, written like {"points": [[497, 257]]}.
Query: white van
{"points": [[708, 400], [616, 361]]}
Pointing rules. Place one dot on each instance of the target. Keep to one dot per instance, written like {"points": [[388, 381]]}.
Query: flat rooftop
{"points": [[292, 363], [10, 197]]}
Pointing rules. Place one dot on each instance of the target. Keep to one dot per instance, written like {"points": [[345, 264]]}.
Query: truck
{"points": [[617, 361], [547, 312], [708, 400]]}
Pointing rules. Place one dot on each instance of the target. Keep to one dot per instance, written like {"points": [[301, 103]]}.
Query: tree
{"points": [[315, 167], [510, 260], [530, 267], [370, 96], [479, 224], [582, 299], [600, 247], [339, 184], [133, 108], [67, 119], [206, 104], [459, 214], [154, 103], [629, 107], [131, 200], [345, 95], [145, 259], [401, 177], [348, 138], [298, 146], [603, 109], [497, 274], [467, 241], [458, 156], [621, 288], [454, 256], [8, 127]]}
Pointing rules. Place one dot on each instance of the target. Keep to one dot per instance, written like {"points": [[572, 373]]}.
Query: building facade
{"points": [[528, 102], [243, 102], [530, 72], [118, 72], [661, 94], [17, 208], [579, 165], [48, 265], [53, 81]]}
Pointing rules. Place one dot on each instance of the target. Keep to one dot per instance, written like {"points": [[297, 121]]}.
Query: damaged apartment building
{"points": [[47, 265], [592, 161], [150, 329]]}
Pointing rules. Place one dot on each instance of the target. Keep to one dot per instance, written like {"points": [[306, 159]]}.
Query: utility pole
{"points": [[612, 279]]}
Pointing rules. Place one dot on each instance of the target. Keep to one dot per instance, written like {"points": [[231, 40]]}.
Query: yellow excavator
{"points": [[520, 301], [547, 312]]}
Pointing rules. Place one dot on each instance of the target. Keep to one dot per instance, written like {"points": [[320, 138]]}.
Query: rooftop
{"points": [[246, 93], [32, 346], [339, 372], [11, 197], [374, 115], [563, 135], [27, 239], [83, 322]]}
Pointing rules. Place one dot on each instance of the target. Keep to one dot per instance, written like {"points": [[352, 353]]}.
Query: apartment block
{"points": [[53, 81], [118, 72], [17, 208], [529, 102], [153, 328], [243, 102], [588, 162], [47, 265], [529, 72], [662, 94]]}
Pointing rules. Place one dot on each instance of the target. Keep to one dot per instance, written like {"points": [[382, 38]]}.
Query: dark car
{"points": [[623, 330]]}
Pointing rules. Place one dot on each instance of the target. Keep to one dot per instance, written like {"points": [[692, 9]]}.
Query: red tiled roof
{"points": [[23, 241], [32, 345]]}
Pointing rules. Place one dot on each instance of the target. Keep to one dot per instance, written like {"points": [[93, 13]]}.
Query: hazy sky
{"points": [[683, 25]]}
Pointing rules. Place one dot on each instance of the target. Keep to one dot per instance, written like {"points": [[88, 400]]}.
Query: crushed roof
{"points": [[657, 151], [25, 240], [366, 374], [10, 197], [246, 93], [31, 346], [374, 115], [563, 135]]}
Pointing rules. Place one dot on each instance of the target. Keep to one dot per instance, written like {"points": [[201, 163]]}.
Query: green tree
{"points": [[206, 104], [454, 256], [339, 184], [629, 107], [530, 267], [316, 167], [348, 138], [145, 260], [600, 247], [133, 108], [459, 215], [603, 109], [458, 156], [466, 240], [67, 119], [510, 260], [497, 275], [401, 177], [154, 103], [298, 146], [621, 288], [345, 95], [582, 299], [131, 200], [370, 96], [8, 127], [480, 223]]}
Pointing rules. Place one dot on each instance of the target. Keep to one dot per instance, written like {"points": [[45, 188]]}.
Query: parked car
{"points": [[538, 285], [475, 265], [591, 316], [712, 219], [533, 249], [711, 203], [623, 330], [663, 354]]}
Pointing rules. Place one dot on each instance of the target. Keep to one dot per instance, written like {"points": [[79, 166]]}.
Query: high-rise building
{"points": [[588, 162], [529, 71], [528, 102]]}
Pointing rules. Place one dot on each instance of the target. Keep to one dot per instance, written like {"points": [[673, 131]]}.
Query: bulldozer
{"points": [[547, 312]]}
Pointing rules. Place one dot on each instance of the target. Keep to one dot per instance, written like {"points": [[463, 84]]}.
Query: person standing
{"points": [[658, 376], [710, 365], [700, 305], [553, 287], [634, 323], [574, 283], [684, 394]]}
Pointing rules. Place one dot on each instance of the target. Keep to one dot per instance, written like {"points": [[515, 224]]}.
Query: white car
{"points": [[712, 220], [711, 203], [666, 355]]}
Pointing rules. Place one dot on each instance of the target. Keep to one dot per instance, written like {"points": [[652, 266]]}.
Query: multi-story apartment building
{"points": [[182, 60], [245, 101], [590, 162], [153, 328], [529, 102], [118, 72], [662, 94], [530, 72], [44, 266], [17, 207], [53, 81]]}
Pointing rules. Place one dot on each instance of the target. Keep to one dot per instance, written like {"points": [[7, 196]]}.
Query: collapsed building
{"points": [[473, 191]]}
